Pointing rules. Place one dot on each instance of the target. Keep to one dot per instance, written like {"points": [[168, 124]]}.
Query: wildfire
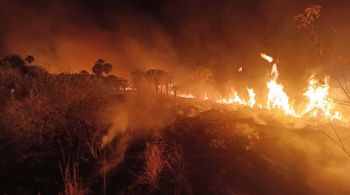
{"points": [[129, 89], [266, 57], [276, 97], [319, 104], [187, 96], [251, 101], [236, 99]]}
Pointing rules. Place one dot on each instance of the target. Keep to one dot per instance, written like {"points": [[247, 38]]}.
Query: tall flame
{"points": [[319, 104], [274, 72], [251, 101], [276, 97]]}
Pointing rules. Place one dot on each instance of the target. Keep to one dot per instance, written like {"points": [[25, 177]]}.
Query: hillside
{"points": [[80, 134]]}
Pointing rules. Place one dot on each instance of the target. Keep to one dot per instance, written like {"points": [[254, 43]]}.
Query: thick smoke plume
{"points": [[176, 35]]}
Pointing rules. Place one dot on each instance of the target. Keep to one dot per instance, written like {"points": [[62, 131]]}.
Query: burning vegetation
{"points": [[175, 129], [319, 102]]}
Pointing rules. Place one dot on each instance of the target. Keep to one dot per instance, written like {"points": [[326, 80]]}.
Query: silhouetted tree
{"points": [[200, 80], [169, 84], [85, 72], [29, 59], [116, 82], [36, 71], [14, 61], [138, 76], [175, 88], [101, 67], [154, 77]]}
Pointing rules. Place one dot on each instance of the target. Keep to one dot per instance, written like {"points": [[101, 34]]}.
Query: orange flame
{"points": [[266, 57], [251, 101], [187, 96], [319, 103]]}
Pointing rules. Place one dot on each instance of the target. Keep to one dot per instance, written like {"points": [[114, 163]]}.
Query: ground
{"points": [[78, 134]]}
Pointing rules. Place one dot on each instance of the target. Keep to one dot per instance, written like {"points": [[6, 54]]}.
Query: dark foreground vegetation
{"points": [[83, 134]]}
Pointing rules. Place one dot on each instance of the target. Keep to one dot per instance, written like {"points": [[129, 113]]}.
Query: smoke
{"points": [[301, 154], [120, 122], [178, 35], [71, 35], [138, 116], [222, 35]]}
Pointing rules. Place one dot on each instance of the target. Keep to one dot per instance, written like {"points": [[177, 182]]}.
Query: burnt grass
{"points": [[212, 159], [50, 122], [206, 154]]}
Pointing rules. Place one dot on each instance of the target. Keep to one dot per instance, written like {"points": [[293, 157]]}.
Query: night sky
{"points": [[175, 35]]}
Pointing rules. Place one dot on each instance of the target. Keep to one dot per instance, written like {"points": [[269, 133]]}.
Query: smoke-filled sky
{"points": [[69, 35]]}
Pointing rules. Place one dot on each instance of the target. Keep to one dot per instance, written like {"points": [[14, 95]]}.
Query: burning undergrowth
{"points": [[180, 132], [234, 152], [102, 139], [201, 147]]}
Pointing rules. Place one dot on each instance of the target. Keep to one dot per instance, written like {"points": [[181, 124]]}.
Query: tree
{"points": [[154, 78], [138, 76], [29, 59], [200, 80], [167, 82], [14, 61], [101, 67], [116, 82], [84, 72]]}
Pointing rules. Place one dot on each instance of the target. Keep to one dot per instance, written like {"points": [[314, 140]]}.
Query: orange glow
{"points": [[318, 104]]}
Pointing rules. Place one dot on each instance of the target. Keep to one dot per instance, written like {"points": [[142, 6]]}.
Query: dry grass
{"points": [[72, 182], [154, 163]]}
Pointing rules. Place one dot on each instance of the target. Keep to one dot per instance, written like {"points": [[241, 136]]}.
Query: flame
{"points": [[319, 101], [233, 99], [318, 105], [251, 101], [266, 57], [187, 96], [276, 97], [274, 72], [129, 89], [236, 99]]}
